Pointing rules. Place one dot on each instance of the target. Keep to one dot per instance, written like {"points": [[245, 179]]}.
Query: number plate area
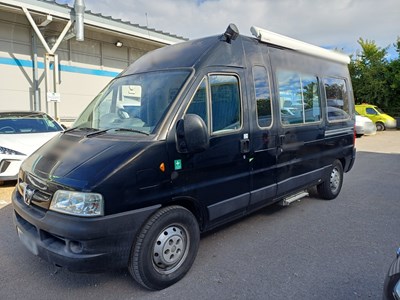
{"points": [[30, 244]]}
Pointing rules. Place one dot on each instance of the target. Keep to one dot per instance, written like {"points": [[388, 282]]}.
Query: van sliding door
{"points": [[301, 136], [263, 139]]}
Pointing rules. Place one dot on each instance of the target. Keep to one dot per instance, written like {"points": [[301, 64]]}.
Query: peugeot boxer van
{"points": [[187, 138]]}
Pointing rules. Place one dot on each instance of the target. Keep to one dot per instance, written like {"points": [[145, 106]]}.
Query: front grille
{"points": [[49, 238], [32, 191]]}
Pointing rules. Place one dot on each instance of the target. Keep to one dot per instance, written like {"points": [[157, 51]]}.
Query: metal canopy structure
{"points": [[54, 23], [93, 20]]}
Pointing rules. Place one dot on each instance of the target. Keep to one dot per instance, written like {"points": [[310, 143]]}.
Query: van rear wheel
{"points": [[330, 188], [165, 248]]}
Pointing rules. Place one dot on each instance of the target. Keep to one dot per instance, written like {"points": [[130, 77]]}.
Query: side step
{"points": [[295, 197]]}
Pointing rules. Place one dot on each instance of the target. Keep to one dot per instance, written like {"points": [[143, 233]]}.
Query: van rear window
{"points": [[337, 99]]}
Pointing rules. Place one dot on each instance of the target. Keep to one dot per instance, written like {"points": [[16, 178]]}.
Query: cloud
{"points": [[334, 24]]}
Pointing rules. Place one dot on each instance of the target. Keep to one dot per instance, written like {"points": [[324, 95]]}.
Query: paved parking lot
{"points": [[313, 249], [5, 193]]}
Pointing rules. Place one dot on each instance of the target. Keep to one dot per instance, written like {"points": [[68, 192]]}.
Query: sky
{"points": [[326, 23]]}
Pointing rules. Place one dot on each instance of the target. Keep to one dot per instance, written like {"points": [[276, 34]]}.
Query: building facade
{"points": [[82, 68]]}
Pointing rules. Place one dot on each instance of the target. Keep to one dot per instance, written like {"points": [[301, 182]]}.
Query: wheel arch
{"points": [[342, 160], [193, 206]]}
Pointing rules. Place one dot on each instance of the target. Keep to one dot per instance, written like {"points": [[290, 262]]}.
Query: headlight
{"points": [[78, 203], [4, 150]]}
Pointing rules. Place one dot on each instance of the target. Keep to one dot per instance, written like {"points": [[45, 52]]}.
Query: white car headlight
{"points": [[4, 150], [78, 203]]}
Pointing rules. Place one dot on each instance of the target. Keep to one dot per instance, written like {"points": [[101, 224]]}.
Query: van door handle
{"points": [[245, 146], [281, 140]]}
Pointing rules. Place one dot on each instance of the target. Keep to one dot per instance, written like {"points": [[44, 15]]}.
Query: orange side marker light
{"points": [[162, 167]]}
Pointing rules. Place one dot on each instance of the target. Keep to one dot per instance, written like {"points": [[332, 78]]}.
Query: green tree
{"points": [[393, 80], [375, 79], [368, 72]]}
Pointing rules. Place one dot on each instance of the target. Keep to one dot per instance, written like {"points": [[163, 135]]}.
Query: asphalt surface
{"points": [[313, 249]]}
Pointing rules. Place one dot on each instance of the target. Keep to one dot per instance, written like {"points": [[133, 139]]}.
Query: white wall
{"points": [[85, 67]]}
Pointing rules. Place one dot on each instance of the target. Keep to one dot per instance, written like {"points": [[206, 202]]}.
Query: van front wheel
{"points": [[380, 126], [330, 188], [165, 248]]}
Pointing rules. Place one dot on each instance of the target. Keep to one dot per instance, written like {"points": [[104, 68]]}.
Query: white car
{"points": [[364, 125], [21, 133]]}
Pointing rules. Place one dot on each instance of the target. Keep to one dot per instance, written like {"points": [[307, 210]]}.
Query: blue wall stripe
{"points": [[63, 68]]}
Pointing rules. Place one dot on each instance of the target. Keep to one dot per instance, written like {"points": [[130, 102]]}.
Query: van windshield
{"points": [[133, 104]]}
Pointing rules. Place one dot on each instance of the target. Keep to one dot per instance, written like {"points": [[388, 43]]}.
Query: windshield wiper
{"points": [[80, 128], [115, 129], [94, 130], [132, 130], [97, 131]]}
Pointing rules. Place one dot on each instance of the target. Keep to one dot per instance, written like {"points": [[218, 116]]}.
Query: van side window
{"points": [[225, 102], [299, 97], [263, 96], [198, 106], [337, 99], [370, 111]]}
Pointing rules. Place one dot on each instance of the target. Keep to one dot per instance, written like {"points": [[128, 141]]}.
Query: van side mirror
{"points": [[191, 134]]}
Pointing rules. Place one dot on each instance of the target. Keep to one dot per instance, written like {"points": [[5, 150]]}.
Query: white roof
{"points": [[287, 42]]}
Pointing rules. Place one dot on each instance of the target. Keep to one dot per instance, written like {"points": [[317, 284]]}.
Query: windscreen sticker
{"points": [[177, 164]]}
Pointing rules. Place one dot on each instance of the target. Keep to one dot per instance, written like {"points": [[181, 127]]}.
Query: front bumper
{"points": [[391, 124], [9, 166], [79, 244]]}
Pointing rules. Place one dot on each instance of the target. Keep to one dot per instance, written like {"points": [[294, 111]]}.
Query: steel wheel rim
{"points": [[170, 249], [335, 180]]}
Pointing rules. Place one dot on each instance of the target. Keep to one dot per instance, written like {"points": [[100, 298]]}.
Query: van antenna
{"points": [[147, 24]]}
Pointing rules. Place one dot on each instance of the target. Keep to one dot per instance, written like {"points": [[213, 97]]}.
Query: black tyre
{"points": [[380, 126], [330, 188], [390, 283], [391, 280], [165, 249]]}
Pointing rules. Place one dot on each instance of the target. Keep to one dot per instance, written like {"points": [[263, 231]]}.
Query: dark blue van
{"points": [[187, 138]]}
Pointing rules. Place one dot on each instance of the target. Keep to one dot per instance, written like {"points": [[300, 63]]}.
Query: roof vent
{"points": [[231, 33]]}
